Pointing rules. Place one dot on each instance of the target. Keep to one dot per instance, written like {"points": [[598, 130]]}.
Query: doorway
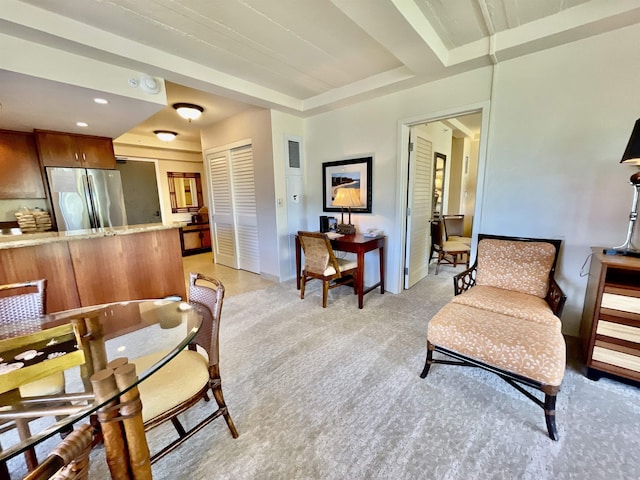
{"points": [[140, 190], [441, 164]]}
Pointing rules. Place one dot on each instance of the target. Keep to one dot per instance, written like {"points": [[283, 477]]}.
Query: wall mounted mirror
{"points": [[185, 191], [439, 184]]}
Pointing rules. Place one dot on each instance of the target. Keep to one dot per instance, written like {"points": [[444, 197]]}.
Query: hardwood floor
{"points": [[235, 281]]}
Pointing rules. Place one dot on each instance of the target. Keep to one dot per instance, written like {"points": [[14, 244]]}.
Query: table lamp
{"points": [[631, 156], [347, 197]]}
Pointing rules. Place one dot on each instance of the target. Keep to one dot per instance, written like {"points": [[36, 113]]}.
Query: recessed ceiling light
{"points": [[101, 101], [82, 124]]}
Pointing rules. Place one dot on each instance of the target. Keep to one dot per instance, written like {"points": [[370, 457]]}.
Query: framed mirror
{"points": [[185, 191], [439, 184]]}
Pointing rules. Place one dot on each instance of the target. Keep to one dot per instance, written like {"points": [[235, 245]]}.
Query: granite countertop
{"points": [[32, 239]]}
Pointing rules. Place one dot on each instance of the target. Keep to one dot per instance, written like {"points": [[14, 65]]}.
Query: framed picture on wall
{"points": [[352, 174]]}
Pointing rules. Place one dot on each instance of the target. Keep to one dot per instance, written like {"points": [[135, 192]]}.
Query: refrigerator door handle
{"points": [[93, 215]]}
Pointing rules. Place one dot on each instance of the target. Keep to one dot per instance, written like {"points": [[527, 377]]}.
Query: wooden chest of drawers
{"points": [[610, 328]]}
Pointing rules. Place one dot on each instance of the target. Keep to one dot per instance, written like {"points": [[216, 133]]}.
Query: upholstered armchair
{"points": [[504, 318]]}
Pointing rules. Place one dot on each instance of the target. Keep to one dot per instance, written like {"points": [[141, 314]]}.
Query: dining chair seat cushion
{"points": [[50, 385], [451, 246], [345, 264], [532, 350], [466, 240], [173, 384], [508, 302]]}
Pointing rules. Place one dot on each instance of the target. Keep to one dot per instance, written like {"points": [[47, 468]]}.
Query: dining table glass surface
{"points": [[80, 342]]}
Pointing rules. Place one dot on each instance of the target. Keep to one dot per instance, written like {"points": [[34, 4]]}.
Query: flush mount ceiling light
{"points": [[188, 111], [165, 135]]}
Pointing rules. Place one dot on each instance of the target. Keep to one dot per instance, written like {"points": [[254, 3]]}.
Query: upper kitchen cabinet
{"points": [[20, 175], [58, 149]]}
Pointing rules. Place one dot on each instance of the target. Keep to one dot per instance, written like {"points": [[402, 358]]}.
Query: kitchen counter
{"points": [[92, 267], [33, 239]]}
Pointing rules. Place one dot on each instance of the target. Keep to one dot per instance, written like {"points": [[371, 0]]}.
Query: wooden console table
{"points": [[358, 244]]}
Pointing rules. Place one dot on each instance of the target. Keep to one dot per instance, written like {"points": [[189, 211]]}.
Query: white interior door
{"points": [[222, 220], [419, 206], [245, 209]]}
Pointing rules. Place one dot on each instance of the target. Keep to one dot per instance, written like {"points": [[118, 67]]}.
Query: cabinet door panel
{"points": [[206, 237], [96, 152], [57, 150], [191, 240], [20, 175]]}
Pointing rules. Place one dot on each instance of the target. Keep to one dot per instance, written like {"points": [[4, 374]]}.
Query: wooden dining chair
{"points": [[449, 252], [190, 376], [21, 304], [454, 229], [70, 459], [320, 262]]}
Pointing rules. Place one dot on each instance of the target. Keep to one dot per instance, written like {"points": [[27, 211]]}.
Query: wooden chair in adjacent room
{"points": [[454, 229], [320, 262], [19, 313], [191, 375], [449, 252]]}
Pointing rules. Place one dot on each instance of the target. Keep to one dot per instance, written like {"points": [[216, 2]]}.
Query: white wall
{"points": [[560, 122], [282, 125], [558, 125], [372, 128]]}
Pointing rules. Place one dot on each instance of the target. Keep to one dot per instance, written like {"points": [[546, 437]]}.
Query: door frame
{"points": [[156, 164], [402, 179]]}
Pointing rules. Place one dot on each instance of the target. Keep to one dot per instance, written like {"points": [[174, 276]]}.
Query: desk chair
{"points": [[18, 310], [320, 262], [189, 377]]}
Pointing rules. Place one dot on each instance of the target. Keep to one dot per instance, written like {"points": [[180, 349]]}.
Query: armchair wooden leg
{"points": [[550, 415], [303, 283], [428, 361]]}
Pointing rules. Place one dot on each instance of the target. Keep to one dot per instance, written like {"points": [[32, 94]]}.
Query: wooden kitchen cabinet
{"points": [[195, 238], [57, 149], [610, 328], [20, 174]]}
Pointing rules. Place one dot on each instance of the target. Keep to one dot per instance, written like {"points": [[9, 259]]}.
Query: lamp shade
{"points": [[632, 152], [347, 197]]}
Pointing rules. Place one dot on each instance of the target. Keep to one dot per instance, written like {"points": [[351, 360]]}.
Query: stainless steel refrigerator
{"points": [[85, 198]]}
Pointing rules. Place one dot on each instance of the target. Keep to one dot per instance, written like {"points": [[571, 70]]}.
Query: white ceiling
{"points": [[300, 56]]}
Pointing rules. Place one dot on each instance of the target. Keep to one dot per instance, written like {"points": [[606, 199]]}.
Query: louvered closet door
{"points": [[224, 236], [244, 200], [420, 201]]}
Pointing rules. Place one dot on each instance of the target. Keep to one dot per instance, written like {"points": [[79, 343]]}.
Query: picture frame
{"points": [[355, 173]]}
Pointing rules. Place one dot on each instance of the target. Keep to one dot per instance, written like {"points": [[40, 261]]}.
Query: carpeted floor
{"points": [[335, 393]]}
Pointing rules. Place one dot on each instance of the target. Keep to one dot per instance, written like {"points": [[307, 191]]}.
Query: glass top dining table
{"points": [[79, 343]]}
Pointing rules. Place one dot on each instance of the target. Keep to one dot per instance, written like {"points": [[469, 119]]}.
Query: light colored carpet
{"points": [[335, 393]]}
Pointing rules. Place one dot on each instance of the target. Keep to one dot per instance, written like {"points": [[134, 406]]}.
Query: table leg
{"points": [[382, 269], [115, 447], [360, 278], [131, 412], [298, 263]]}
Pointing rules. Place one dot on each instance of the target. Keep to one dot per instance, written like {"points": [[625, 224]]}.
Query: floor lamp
{"points": [[631, 156], [347, 197]]}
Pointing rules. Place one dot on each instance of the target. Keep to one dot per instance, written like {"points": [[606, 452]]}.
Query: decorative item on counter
{"points": [[33, 220]]}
